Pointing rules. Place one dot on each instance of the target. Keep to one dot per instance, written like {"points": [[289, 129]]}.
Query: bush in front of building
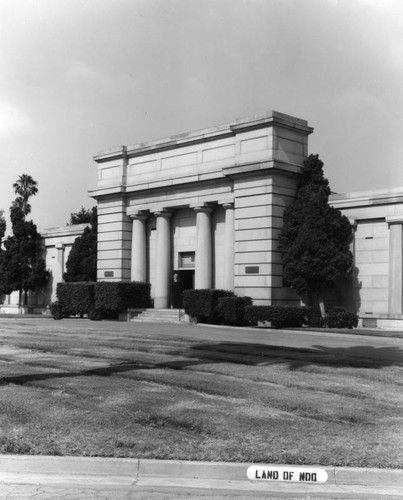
{"points": [[114, 297], [56, 310], [339, 317], [75, 298], [279, 316], [232, 310], [202, 304], [99, 299]]}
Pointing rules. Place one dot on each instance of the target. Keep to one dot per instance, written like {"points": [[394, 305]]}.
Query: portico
{"points": [[202, 209]]}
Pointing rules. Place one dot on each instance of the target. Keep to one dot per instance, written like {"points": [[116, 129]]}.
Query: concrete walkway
{"points": [[80, 477]]}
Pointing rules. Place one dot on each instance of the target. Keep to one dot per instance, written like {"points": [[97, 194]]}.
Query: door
{"points": [[181, 280]]}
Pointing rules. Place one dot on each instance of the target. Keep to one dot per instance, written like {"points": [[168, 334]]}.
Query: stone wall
{"points": [[55, 248], [378, 220]]}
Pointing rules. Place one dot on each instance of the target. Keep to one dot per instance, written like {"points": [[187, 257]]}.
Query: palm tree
{"points": [[24, 188]]}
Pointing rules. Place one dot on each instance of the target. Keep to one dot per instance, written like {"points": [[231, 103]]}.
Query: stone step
{"points": [[156, 320], [156, 315]]}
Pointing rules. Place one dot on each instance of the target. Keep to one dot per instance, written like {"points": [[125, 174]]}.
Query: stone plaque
{"points": [[252, 270]]}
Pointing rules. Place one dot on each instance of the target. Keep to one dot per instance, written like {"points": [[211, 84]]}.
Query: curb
{"points": [[48, 470], [359, 332]]}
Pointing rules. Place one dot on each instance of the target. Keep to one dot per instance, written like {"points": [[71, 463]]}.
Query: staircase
{"points": [[157, 315]]}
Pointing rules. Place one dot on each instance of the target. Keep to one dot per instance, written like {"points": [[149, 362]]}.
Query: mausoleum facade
{"points": [[202, 209]]}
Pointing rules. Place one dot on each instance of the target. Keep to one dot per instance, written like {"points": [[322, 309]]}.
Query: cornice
{"points": [[367, 198], [263, 120]]}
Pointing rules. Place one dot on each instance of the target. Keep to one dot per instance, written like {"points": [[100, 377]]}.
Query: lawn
{"points": [[76, 387]]}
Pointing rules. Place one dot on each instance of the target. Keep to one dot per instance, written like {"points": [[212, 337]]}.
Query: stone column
{"points": [[229, 242], [59, 269], [203, 248], [163, 257], [395, 266], [139, 248]]}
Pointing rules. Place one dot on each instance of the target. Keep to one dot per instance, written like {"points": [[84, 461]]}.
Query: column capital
{"points": [[163, 213], [201, 208], [60, 246], [228, 206], [394, 219], [139, 216]]}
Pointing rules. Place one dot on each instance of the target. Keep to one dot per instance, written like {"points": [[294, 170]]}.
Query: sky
{"points": [[81, 76]]}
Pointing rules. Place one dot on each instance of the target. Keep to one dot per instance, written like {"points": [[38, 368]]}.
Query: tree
{"points": [[24, 188], [81, 264], [3, 226], [21, 267], [315, 238], [83, 216]]}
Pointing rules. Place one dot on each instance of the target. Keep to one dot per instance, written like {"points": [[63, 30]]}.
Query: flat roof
{"points": [[249, 122]]}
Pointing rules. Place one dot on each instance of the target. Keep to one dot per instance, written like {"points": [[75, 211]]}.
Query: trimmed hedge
{"points": [[75, 298], [203, 304], [338, 317], [114, 297], [232, 310], [279, 316], [56, 310], [99, 299]]}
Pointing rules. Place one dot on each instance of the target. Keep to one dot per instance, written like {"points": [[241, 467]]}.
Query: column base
{"points": [[161, 303]]}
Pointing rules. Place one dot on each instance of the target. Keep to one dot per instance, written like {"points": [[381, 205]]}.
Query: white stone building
{"points": [[202, 209], [378, 252], [55, 248]]}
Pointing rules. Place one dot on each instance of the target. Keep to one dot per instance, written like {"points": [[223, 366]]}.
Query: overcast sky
{"points": [[80, 76]]}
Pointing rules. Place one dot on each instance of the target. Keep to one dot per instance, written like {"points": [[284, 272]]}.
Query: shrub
{"points": [[113, 297], [203, 304], [56, 310], [75, 298], [102, 299], [232, 310], [279, 316], [94, 314], [338, 317]]}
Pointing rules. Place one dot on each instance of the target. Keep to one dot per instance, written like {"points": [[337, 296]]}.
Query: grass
{"points": [[110, 389]]}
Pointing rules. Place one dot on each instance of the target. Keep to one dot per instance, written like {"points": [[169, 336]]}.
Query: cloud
{"points": [[13, 120], [359, 101], [85, 75], [79, 70]]}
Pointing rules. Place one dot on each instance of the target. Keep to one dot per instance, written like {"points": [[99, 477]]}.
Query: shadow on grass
{"points": [[241, 353], [259, 354]]}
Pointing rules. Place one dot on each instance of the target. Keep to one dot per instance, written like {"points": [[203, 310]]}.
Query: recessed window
{"points": [[186, 260]]}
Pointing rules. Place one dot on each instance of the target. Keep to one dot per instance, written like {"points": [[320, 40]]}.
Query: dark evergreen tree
{"points": [[3, 226], [315, 238], [83, 216], [21, 267], [81, 264]]}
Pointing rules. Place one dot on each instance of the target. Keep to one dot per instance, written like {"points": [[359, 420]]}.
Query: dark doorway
{"points": [[181, 280]]}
